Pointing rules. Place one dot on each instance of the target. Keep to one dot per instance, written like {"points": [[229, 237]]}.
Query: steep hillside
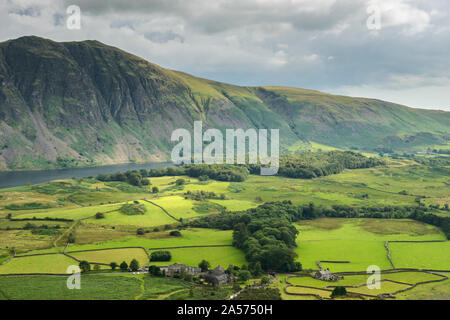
{"points": [[79, 103]]}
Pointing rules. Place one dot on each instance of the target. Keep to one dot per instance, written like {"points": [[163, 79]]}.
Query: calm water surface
{"points": [[20, 178]]}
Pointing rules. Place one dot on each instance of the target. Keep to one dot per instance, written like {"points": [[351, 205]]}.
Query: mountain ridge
{"points": [[85, 103]]}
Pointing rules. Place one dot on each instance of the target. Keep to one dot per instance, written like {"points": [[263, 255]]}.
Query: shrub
{"points": [[338, 292], [175, 233], [99, 215], [244, 275], [85, 266], [160, 256]]}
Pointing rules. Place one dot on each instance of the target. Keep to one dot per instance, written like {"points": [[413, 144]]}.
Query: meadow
{"points": [[358, 241], [390, 283], [93, 287], [223, 256], [115, 255]]}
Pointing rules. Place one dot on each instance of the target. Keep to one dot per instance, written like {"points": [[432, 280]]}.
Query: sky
{"points": [[394, 50]]}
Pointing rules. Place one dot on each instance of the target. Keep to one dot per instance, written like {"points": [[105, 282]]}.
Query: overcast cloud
{"points": [[316, 44]]}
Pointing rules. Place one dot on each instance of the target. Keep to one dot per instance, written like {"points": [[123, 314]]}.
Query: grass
{"points": [[155, 287], [116, 255], [431, 291], [73, 214], [93, 287], [360, 241], [359, 281], [356, 240], [223, 256], [152, 217], [177, 206], [201, 293], [321, 293], [54, 263], [411, 277], [385, 287], [421, 255], [190, 237], [24, 240]]}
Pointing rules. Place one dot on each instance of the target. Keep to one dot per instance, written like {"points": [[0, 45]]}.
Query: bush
{"points": [[99, 215], [140, 232], [180, 182], [161, 256], [85, 266], [265, 280], [244, 275], [133, 209], [338, 292], [175, 233], [155, 271]]}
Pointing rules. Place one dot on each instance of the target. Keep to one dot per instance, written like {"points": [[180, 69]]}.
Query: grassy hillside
{"points": [[80, 103]]}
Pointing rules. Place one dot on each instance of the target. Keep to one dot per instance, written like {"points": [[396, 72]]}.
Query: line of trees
{"points": [[305, 165], [310, 165]]}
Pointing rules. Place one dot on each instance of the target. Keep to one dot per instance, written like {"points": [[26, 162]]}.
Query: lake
{"points": [[10, 179]]}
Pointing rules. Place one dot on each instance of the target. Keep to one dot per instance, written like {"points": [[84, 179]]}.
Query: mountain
{"points": [[81, 103]]}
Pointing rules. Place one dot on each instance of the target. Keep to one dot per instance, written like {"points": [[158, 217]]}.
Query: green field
{"points": [[357, 283], [52, 263], [223, 256], [360, 241], [421, 255], [115, 255], [93, 287], [72, 214]]}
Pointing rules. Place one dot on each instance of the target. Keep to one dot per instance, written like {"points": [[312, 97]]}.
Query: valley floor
{"points": [[46, 228]]}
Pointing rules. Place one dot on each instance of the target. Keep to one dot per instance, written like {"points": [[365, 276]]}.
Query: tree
{"points": [[255, 268], [244, 275], [155, 271], [180, 182], [134, 265], [175, 233], [140, 232], [123, 266], [338, 292], [113, 265], [160, 256], [204, 265], [85, 266], [97, 267], [155, 190], [265, 280], [71, 238], [99, 215]]}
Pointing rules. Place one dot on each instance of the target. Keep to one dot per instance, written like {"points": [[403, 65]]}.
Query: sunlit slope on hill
{"points": [[78, 103]]}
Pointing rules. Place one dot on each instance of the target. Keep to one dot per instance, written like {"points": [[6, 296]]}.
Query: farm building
{"points": [[178, 268], [218, 277], [325, 275]]}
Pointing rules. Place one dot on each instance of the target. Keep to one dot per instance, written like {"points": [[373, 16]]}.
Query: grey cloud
{"points": [[162, 37], [261, 42]]}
